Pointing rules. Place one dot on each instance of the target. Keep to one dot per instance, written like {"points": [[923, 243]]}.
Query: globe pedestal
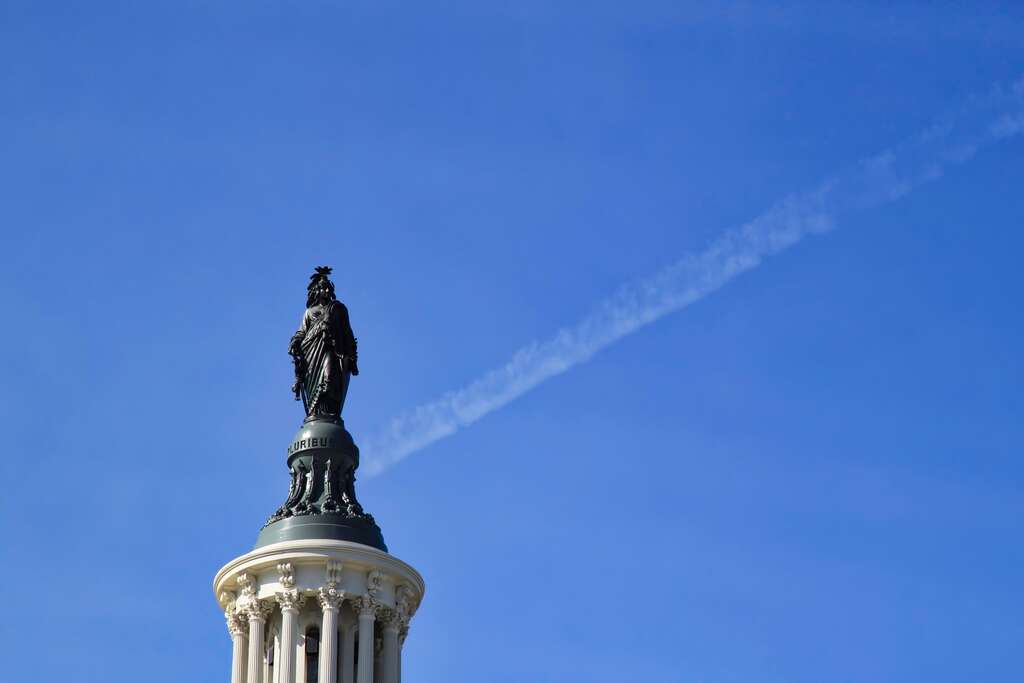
{"points": [[321, 502]]}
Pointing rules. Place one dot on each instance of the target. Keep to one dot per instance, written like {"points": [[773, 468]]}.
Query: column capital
{"points": [[391, 619], [366, 605], [405, 606], [330, 597], [290, 600], [236, 624], [257, 610]]}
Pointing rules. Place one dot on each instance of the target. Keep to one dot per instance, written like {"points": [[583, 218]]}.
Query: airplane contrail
{"points": [[872, 182]]}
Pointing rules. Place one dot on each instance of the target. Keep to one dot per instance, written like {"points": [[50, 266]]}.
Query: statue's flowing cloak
{"points": [[326, 339], [317, 354]]}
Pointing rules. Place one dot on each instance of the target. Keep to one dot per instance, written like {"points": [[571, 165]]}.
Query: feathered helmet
{"points": [[320, 279]]}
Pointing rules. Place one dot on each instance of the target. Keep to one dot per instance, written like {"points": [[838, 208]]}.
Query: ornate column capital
{"points": [[290, 600], [251, 607], [366, 605], [330, 597], [257, 610], [236, 624], [392, 619]]}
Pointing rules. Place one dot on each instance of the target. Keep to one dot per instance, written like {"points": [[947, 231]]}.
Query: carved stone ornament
{"points": [[226, 600], [257, 610], [248, 587], [286, 575], [366, 605], [290, 600], [333, 574], [236, 624], [403, 599], [330, 597], [374, 582], [392, 618]]}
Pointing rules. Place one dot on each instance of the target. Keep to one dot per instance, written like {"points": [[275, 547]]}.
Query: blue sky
{"points": [[812, 473]]}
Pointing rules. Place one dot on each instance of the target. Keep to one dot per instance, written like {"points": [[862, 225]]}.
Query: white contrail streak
{"points": [[872, 182]]}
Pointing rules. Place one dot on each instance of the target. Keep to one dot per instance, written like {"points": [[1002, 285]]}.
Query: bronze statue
{"points": [[323, 350], [322, 457]]}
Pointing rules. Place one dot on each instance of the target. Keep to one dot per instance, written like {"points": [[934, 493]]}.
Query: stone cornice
{"points": [[353, 555]]}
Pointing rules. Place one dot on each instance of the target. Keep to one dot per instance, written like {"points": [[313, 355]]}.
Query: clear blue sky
{"points": [[813, 474]]}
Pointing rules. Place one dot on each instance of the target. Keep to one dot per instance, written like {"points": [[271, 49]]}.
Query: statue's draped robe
{"points": [[328, 352]]}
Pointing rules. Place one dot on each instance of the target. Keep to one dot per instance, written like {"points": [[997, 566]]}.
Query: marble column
{"points": [[378, 670], [330, 602], [290, 602], [404, 598], [367, 608], [389, 647], [237, 629], [348, 656], [257, 613], [402, 633]]}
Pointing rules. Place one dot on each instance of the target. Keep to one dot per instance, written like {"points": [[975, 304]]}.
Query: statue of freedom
{"points": [[323, 350]]}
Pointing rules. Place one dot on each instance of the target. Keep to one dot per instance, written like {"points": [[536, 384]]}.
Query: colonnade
{"points": [[374, 640]]}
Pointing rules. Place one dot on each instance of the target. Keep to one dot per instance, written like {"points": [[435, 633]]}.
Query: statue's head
{"points": [[320, 289]]}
